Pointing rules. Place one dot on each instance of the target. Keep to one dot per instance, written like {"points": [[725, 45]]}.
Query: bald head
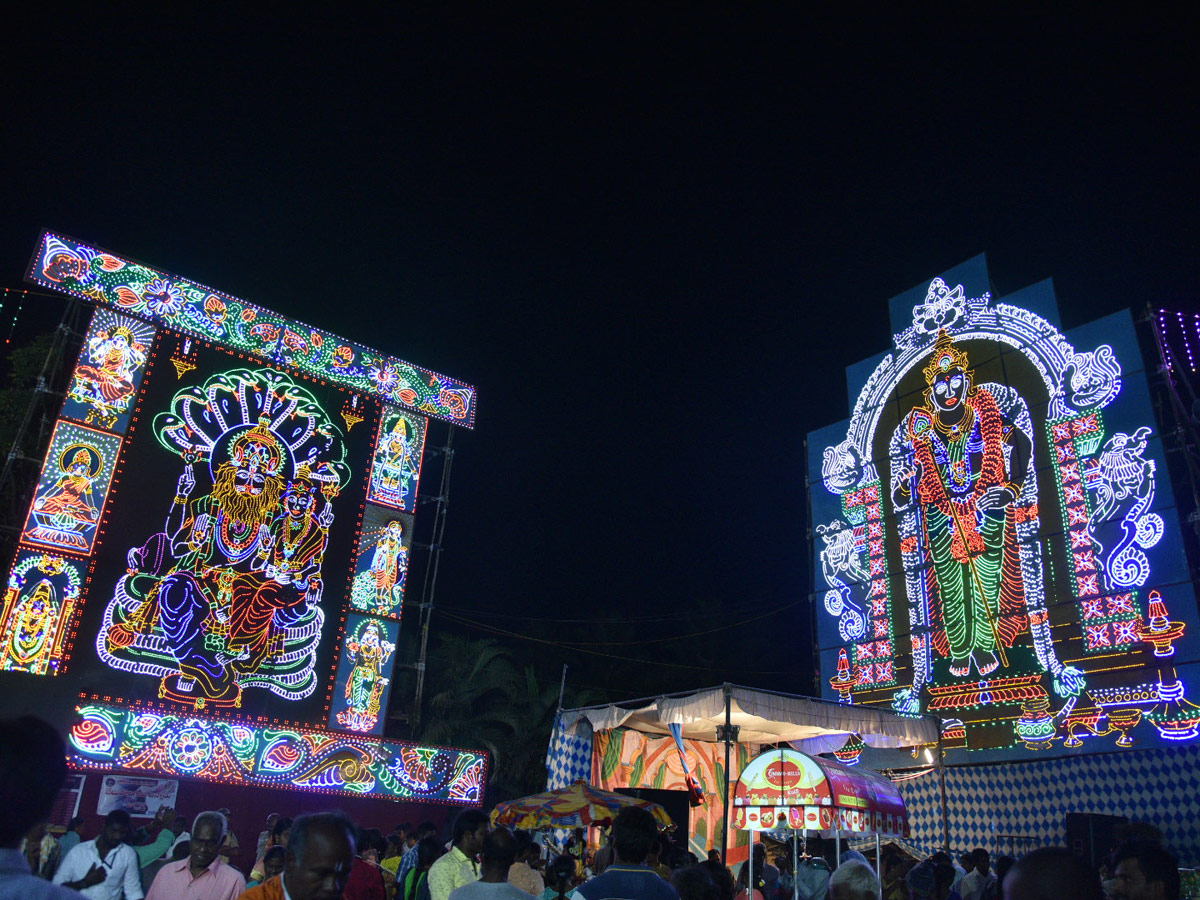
{"points": [[1052, 873]]}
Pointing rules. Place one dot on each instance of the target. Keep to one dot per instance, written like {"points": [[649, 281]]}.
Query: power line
{"points": [[666, 617], [680, 637], [645, 662]]}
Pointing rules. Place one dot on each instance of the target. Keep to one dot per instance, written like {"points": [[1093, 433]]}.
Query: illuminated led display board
{"points": [[994, 536], [160, 740], [222, 528], [75, 268]]}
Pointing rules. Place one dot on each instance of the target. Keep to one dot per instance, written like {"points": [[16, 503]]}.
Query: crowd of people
{"points": [[325, 856]]}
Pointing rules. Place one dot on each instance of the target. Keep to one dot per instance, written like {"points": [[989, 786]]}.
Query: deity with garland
{"points": [[961, 466]]}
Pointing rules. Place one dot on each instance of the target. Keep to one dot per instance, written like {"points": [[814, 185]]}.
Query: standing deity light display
{"points": [[992, 532], [221, 533]]}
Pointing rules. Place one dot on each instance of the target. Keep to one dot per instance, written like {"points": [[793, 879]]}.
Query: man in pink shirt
{"points": [[204, 875]]}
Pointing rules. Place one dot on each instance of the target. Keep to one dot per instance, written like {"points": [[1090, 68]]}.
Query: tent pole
{"points": [[795, 867], [878, 867], [727, 735], [941, 761], [837, 848]]}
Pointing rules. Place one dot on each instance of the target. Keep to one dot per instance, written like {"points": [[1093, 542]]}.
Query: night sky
{"points": [[653, 241]]}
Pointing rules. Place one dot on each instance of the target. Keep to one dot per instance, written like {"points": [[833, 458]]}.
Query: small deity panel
{"points": [[73, 487], [364, 674], [382, 563], [109, 372], [41, 596], [396, 465]]}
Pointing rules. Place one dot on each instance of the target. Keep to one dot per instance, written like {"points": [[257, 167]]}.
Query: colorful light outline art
{"points": [[147, 740], [40, 600], [109, 372], [362, 684], [396, 463], [957, 491], [227, 595], [258, 419], [381, 563], [73, 489], [72, 267]]}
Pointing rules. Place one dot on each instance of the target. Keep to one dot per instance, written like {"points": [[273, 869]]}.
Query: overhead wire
{"points": [[579, 649]]}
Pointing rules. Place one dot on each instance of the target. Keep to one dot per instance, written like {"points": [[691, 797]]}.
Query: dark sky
{"points": [[653, 241]]}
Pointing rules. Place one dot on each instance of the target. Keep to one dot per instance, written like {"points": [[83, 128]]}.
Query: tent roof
{"points": [[763, 717]]}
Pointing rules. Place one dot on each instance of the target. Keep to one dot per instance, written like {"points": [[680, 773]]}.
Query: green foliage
{"points": [[21, 370], [476, 697]]}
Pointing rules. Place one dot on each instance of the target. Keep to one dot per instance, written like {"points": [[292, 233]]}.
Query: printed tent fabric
{"points": [[577, 806], [762, 717], [786, 789]]}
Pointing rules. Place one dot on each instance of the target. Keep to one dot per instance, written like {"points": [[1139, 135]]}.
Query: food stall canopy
{"points": [[762, 717], [784, 788], [577, 806]]}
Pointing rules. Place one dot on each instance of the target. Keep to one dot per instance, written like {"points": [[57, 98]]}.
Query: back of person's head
{"points": [[1155, 865], [522, 843], [694, 883], [428, 851], [721, 877], [33, 766], [1003, 864], [499, 849], [979, 857], [562, 869], [329, 824], [425, 829], [277, 853], [283, 825], [1052, 873], [633, 833], [468, 821], [75, 824], [184, 849], [853, 880], [1131, 832], [373, 839]]}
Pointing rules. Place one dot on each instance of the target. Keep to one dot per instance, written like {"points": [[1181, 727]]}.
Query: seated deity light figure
{"points": [[108, 381], [215, 541], [71, 499], [961, 477]]}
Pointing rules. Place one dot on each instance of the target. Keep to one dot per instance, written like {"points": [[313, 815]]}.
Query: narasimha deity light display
{"points": [[222, 528], [992, 526]]}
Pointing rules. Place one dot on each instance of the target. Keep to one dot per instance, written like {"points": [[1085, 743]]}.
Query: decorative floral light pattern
{"points": [[165, 743], [71, 267]]}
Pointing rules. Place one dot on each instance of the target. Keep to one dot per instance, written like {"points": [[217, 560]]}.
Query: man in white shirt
{"points": [[103, 868], [976, 882]]}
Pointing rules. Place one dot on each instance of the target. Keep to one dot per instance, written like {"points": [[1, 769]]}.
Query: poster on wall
{"points": [[994, 536], [140, 797]]}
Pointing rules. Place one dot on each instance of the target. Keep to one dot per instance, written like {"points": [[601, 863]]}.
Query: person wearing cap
{"points": [[230, 846]]}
